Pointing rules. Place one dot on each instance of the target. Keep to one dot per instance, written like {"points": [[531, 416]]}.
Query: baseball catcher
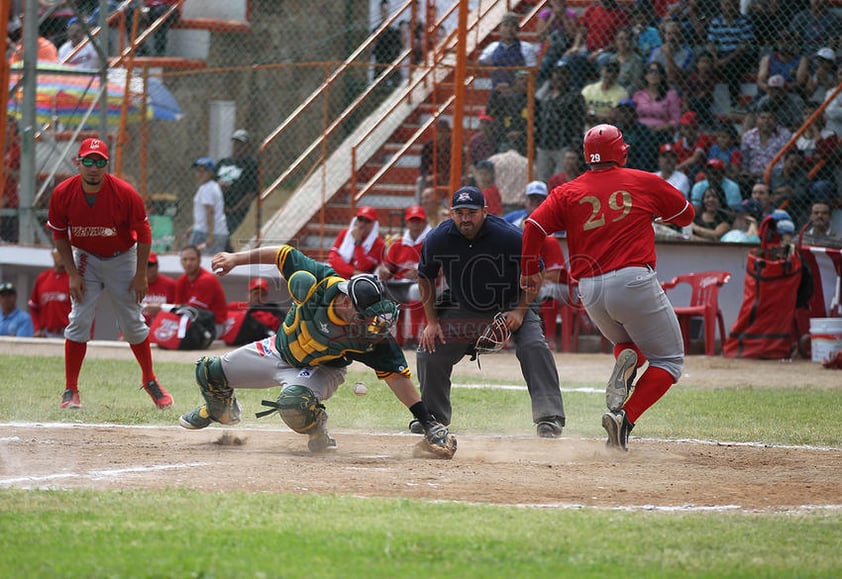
{"points": [[331, 323]]}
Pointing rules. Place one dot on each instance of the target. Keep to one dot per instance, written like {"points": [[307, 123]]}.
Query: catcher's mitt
{"points": [[298, 407], [493, 338], [437, 443]]}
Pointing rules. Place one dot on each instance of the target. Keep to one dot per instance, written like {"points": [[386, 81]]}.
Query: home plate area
{"points": [[522, 471]]}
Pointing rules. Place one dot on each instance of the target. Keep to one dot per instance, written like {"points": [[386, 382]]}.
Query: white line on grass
{"points": [[98, 474]]}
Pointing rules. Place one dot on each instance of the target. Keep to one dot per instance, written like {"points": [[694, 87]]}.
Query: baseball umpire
{"points": [[608, 213], [96, 218], [479, 256], [331, 322]]}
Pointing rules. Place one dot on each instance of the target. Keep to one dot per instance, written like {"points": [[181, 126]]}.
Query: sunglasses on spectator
{"points": [[89, 162]]}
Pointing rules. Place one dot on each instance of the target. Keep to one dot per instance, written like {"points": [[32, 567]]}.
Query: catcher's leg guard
{"points": [[300, 409], [221, 404]]}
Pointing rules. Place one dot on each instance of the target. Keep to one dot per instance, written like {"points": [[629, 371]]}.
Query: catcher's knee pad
{"points": [[219, 396], [299, 408]]}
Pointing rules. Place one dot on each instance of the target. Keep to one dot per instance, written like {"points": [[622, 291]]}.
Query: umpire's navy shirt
{"points": [[483, 273]]}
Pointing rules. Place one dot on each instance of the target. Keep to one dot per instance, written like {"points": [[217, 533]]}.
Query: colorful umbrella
{"points": [[65, 94]]}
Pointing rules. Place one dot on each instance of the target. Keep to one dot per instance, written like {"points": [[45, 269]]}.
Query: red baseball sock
{"points": [[74, 355], [143, 354], [641, 359], [650, 388]]}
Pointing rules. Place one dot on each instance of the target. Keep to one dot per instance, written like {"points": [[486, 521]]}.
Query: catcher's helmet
{"points": [[604, 144], [364, 289]]}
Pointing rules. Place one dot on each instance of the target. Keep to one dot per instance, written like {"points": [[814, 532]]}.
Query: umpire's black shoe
{"points": [[550, 427], [618, 428], [416, 427]]}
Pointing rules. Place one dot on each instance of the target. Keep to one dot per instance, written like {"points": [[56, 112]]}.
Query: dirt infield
{"points": [[510, 470]]}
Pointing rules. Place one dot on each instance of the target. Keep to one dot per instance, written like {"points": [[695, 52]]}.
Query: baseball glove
{"points": [[493, 338], [437, 443], [298, 407]]}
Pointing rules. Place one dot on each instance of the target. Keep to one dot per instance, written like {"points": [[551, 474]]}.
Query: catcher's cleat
{"points": [[618, 428], [620, 383], [70, 399], [550, 427], [320, 441], [196, 419], [158, 393], [437, 443]]}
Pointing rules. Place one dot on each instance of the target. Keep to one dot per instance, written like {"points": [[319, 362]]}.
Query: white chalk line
{"points": [[98, 474]]}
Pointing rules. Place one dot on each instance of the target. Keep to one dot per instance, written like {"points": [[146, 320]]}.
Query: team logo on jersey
{"points": [[305, 373], [265, 347], [323, 327]]}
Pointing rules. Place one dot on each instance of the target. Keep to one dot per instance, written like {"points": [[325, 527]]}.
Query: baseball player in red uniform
{"points": [[49, 302], [102, 233], [199, 288], [608, 214], [161, 290]]}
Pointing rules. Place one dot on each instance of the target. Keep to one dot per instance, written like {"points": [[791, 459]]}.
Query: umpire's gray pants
{"points": [[461, 329]]}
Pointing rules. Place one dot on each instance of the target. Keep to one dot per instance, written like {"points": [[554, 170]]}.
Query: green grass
{"points": [[178, 533]]}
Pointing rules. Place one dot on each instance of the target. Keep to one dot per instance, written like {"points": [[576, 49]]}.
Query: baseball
{"points": [[360, 389]]}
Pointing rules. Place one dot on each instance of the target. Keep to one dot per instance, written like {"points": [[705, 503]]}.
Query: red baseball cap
{"points": [[415, 212], [716, 164], [93, 147], [153, 258], [690, 118], [366, 212], [667, 148], [484, 116], [258, 283]]}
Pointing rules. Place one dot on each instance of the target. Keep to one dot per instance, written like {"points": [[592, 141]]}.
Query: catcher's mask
{"points": [[366, 293]]}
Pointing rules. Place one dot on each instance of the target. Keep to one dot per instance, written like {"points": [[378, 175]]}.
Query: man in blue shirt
{"points": [[479, 257], [13, 321]]}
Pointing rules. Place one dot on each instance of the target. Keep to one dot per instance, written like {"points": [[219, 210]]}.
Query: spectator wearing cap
{"points": [[400, 264], [559, 121], [49, 302], [603, 95], [237, 177], [744, 227], [210, 228], [483, 142], [358, 248], [478, 255], [571, 167], [642, 141], [257, 294], [784, 228], [715, 178], [485, 177], [823, 75], [762, 143], [787, 105], [554, 291], [731, 40], [161, 290], [508, 53], [667, 161], [816, 24], [692, 145], [86, 56], [13, 321], [658, 105], [509, 105]]}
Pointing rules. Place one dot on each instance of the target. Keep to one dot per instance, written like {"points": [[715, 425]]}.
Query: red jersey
{"points": [[106, 228], [553, 257], [161, 291], [402, 256], [493, 200], [49, 303], [362, 260], [608, 217], [204, 292], [602, 24]]}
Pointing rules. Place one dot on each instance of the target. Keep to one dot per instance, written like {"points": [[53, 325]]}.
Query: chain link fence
{"points": [[253, 66]]}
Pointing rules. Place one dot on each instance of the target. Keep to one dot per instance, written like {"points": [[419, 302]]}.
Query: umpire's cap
{"points": [[7, 287]]}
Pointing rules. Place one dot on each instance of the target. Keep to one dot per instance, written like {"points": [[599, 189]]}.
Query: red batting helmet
{"points": [[604, 144]]}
